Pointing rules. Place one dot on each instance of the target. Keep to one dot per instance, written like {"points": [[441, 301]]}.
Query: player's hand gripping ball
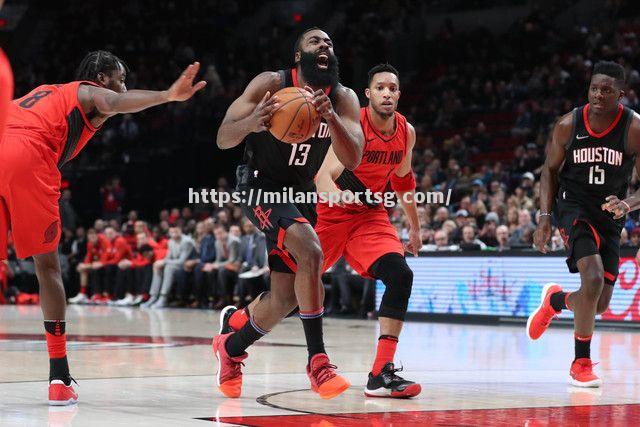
{"points": [[296, 118]]}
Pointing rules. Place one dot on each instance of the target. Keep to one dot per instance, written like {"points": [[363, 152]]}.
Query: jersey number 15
{"points": [[596, 175]]}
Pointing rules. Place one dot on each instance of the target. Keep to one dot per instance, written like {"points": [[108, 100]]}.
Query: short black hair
{"points": [[297, 47], [382, 68], [99, 61], [611, 69]]}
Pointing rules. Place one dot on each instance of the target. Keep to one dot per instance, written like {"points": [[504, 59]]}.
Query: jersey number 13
{"points": [[299, 154]]}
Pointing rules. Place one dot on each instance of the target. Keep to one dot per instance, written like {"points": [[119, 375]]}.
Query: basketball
{"points": [[296, 120]]}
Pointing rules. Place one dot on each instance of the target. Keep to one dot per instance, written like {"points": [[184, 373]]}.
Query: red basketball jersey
{"points": [[381, 155], [6, 89], [51, 115]]}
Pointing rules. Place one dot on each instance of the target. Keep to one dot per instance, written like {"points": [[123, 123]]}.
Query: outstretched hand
{"points": [[618, 207], [183, 88]]}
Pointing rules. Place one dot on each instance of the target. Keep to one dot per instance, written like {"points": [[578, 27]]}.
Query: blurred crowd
{"points": [[483, 104]]}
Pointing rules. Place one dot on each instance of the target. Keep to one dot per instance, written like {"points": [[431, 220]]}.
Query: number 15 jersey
{"points": [[597, 165], [289, 164], [51, 116]]}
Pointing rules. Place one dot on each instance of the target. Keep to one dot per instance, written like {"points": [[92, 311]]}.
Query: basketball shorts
{"points": [[273, 219], [362, 236], [29, 193], [586, 233]]}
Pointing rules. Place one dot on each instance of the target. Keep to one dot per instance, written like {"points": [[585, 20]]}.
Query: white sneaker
{"points": [[137, 300], [125, 301], [79, 299]]}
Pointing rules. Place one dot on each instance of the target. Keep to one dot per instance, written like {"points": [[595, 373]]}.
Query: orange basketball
{"points": [[296, 119]]}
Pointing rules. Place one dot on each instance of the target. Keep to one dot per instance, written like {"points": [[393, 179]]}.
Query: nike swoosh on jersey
{"points": [[582, 136]]}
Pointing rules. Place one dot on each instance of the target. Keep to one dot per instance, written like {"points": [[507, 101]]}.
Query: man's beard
{"points": [[316, 76]]}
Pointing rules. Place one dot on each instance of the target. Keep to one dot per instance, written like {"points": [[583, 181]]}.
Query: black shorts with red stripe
{"points": [[587, 230], [271, 216]]}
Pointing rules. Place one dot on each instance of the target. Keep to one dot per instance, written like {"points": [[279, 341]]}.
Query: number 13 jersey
{"points": [[289, 164], [51, 116], [597, 165]]}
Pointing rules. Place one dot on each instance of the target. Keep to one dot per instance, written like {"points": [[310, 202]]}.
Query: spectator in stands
{"points": [[441, 239], [253, 259], [203, 270], [134, 275], [164, 270], [502, 236], [117, 249], [227, 264], [112, 198], [522, 236], [97, 246], [442, 214], [488, 233], [634, 240], [68, 215], [469, 240]]}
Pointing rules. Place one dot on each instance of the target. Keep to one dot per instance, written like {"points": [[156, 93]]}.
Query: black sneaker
{"points": [[388, 384], [225, 315]]}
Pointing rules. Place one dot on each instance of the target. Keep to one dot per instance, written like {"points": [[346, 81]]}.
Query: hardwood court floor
{"points": [[146, 367]]}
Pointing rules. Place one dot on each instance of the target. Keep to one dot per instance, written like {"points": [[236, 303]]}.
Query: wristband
{"points": [[627, 205], [544, 214], [403, 183]]}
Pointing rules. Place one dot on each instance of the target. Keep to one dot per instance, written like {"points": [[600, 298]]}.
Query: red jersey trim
{"points": [[87, 122], [376, 131], [294, 78], [585, 117]]}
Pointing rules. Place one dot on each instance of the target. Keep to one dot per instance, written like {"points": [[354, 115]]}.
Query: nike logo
{"points": [[582, 136]]}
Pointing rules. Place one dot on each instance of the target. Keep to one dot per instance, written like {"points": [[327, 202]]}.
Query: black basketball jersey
{"points": [[288, 164], [597, 165]]}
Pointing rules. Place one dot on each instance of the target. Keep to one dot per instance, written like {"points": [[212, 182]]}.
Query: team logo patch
{"points": [[263, 217], [51, 232]]}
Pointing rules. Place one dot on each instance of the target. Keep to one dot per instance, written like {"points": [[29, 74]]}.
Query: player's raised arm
{"points": [[549, 179], [403, 182], [108, 102], [622, 207], [344, 124], [251, 112]]}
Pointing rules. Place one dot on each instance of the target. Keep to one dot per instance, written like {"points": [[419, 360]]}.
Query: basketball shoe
{"points": [[229, 375], [225, 315], [541, 318], [323, 377], [388, 384], [61, 394], [581, 374]]}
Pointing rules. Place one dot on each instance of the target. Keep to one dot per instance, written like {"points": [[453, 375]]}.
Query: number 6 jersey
{"points": [[597, 165], [289, 164], [51, 116]]}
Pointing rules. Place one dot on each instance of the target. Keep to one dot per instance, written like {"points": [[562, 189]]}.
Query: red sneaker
{"points": [[61, 394], [581, 374], [229, 375], [541, 318], [323, 377]]}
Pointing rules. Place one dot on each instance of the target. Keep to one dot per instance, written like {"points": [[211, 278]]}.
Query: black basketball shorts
{"points": [[273, 219], [588, 233]]}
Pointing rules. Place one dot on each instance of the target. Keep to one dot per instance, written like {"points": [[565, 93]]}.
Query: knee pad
{"points": [[394, 272]]}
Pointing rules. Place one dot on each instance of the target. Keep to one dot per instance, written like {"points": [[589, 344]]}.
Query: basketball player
{"points": [[362, 231], [295, 256], [6, 86], [588, 167], [45, 129]]}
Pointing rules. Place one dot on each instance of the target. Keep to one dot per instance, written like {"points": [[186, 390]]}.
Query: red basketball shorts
{"points": [[362, 237], [29, 193]]}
